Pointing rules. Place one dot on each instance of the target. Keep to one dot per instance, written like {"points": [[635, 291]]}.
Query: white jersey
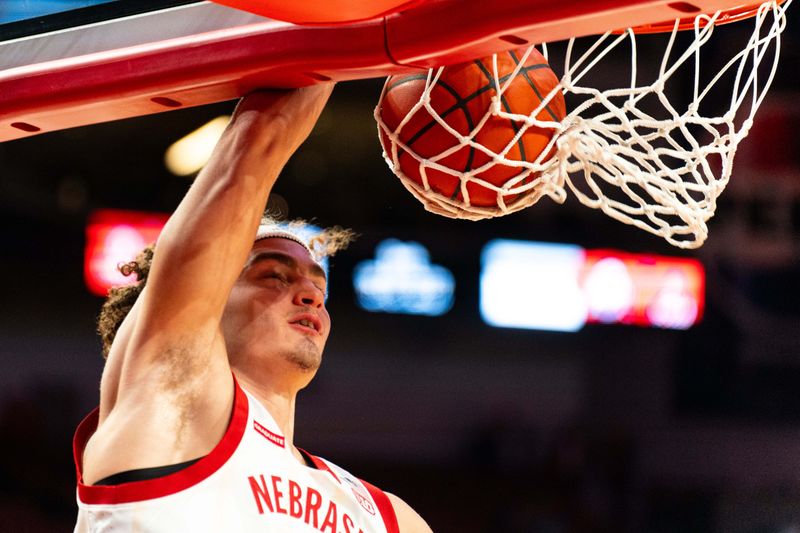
{"points": [[249, 482]]}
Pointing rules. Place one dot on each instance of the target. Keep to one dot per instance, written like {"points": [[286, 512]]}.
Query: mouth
{"points": [[307, 323]]}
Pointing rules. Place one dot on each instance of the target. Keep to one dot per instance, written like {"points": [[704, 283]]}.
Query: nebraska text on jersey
{"points": [[285, 496], [247, 483]]}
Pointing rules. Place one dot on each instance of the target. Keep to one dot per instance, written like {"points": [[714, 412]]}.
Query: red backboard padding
{"points": [[206, 68]]}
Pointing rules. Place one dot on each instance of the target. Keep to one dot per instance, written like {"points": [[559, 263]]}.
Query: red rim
{"points": [[322, 12], [727, 16]]}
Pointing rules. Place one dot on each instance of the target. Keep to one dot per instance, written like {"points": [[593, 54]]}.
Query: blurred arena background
{"points": [[480, 428]]}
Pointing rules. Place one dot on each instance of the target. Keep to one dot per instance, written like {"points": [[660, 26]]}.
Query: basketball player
{"points": [[195, 426]]}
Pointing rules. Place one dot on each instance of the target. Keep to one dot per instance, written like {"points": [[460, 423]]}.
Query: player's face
{"points": [[277, 306]]}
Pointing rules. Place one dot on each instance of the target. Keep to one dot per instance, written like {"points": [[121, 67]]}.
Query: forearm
{"points": [[223, 205]]}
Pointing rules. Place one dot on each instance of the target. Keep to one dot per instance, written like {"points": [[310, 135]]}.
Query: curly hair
{"points": [[323, 244], [121, 299]]}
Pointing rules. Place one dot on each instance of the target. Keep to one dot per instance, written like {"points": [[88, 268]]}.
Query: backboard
{"points": [[106, 63]]}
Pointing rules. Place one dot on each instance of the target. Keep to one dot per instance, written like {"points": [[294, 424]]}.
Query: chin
{"points": [[306, 364], [307, 357]]}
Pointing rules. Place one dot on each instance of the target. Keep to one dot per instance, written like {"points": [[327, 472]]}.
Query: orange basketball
{"points": [[461, 97]]}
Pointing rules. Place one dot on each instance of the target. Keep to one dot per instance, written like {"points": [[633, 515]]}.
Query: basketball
{"points": [[461, 97]]}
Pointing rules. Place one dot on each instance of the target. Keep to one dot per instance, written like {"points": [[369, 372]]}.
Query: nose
{"points": [[308, 294]]}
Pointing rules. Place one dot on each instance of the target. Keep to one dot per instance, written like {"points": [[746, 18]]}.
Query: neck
{"points": [[279, 401]]}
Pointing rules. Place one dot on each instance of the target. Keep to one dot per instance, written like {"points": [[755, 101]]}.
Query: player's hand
{"points": [[292, 113]]}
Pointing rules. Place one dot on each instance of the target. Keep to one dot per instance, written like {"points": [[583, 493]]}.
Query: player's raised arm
{"points": [[166, 391], [205, 243]]}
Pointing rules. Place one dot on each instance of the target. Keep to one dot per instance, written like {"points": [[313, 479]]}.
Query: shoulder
{"points": [[407, 518]]}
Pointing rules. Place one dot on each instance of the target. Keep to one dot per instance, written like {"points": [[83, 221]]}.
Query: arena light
{"points": [[561, 287], [114, 237], [532, 285], [644, 290], [402, 279], [190, 153]]}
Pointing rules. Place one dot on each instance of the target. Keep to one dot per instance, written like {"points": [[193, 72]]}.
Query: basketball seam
{"points": [[524, 71], [406, 79], [506, 105], [489, 86], [462, 104], [459, 104]]}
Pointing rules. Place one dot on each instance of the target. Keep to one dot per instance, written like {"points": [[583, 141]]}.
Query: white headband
{"points": [[269, 231]]}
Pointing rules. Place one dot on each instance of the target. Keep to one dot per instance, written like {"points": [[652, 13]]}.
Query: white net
{"points": [[637, 143]]}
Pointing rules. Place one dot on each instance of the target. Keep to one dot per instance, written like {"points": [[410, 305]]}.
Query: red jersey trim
{"points": [[321, 465], [169, 484], [385, 507]]}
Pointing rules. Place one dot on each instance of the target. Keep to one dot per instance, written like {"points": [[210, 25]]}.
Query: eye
{"points": [[320, 285], [271, 274]]}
